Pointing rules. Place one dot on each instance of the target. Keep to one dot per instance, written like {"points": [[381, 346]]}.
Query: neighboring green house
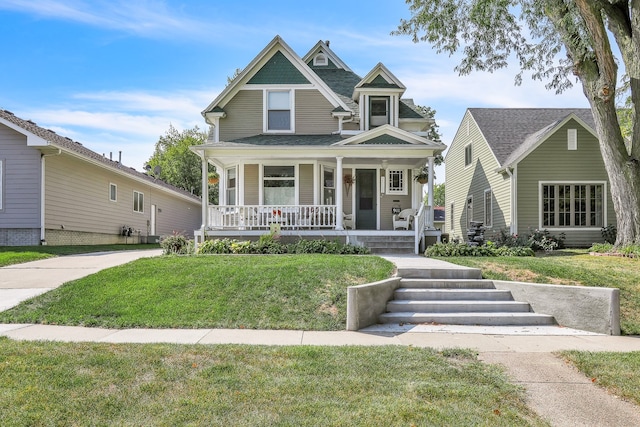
{"points": [[305, 145], [524, 169]]}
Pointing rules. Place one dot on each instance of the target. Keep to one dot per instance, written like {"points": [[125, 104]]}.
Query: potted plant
{"points": [[213, 178], [422, 176]]}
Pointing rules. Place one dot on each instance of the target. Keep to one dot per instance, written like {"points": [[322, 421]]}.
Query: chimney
{"points": [[120, 157]]}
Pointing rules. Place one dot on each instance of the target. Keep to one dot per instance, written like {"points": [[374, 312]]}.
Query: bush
{"points": [[462, 249], [268, 244], [175, 244], [609, 233]]}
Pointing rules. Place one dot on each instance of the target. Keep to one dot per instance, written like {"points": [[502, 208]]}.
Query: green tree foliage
{"points": [[557, 41], [180, 166], [438, 195]]}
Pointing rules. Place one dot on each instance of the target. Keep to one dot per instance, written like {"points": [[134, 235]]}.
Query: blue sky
{"points": [[115, 74]]}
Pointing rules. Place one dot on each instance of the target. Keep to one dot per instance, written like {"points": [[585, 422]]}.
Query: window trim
{"points": [[292, 124], [387, 101], [572, 139], [326, 168], [321, 60], [404, 190], [296, 177], [452, 217], [137, 195], [113, 192], [227, 187], [470, 162], [469, 208], [541, 225], [488, 224]]}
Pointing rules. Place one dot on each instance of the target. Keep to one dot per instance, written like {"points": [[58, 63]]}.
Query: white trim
{"points": [[265, 112], [296, 178], [574, 228], [136, 200], [572, 139], [467, 210], [484, 206], [470, 145], [405, 184], [320, 60]]}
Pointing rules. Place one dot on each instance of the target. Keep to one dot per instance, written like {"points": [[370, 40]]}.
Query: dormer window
{"points": [[378, 111], [320, 60]]}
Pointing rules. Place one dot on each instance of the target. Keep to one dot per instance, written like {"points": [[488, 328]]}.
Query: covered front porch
{"points": [[319, 185]]}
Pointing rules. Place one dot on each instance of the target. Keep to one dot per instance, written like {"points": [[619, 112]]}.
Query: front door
{"points": [[365, 192]]}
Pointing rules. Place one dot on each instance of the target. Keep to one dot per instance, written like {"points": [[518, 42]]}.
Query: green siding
{"points": [[552, 161], [305, 189], [313, 113], [278, 70], [473, 180], [244, 116]]}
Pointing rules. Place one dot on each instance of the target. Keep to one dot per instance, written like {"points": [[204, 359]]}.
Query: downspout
{"points": [[42, 193]]}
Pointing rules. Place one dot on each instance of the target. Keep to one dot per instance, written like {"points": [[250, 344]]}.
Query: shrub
{"points": [[268, 244], [175, 244], [504, 238], [462, 249], [609, 233], [601, 248], [543, 240]]}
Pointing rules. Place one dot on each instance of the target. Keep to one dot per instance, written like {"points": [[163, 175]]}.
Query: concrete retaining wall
{"points": [[578, 307], [366, 302]]}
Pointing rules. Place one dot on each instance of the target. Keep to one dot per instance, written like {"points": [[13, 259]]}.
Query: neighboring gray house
{"points": [[526, 169], [54, 190]]}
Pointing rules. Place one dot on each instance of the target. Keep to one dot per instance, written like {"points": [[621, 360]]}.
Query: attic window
{"points": [[378, 112], [320, 60], [468, 155], [572, 139]]}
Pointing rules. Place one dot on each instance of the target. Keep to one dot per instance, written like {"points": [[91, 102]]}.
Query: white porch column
{"points": [[339, 207], [205, 192], [430, 192]]}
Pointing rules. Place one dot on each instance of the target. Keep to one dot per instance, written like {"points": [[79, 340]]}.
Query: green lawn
{"points": [[571, 267], [18, 254], [304, 292], [45, 383], [618, 372]]}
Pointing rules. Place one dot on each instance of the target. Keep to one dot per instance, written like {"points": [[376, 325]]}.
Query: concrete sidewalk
{"points": [[554, 389]]}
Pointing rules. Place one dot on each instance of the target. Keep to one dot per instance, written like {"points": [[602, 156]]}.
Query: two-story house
{"points": [[306, 146]]}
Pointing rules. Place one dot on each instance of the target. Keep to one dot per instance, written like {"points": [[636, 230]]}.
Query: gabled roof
{"points": [[41, 138], [276, 61], [323, 47], [379, 78], [390, 135], [510, 131]]}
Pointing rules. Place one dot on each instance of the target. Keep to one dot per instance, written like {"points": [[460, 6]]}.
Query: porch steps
{"points": [[461, 301], [388, 244]]}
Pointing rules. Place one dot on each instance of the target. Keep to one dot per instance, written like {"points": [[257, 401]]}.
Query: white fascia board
{"points": [[33, 140], [409, 137], [380, 68]]}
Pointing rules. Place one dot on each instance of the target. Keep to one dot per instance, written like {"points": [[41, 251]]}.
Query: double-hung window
{"points": [[279, 185], [138, 202], [328, 185], [231, 185], [279, 111], [572, 205]]}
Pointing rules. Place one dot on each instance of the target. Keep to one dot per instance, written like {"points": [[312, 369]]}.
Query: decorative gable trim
{"points": [[386, 134], [277, 45], [379, 79]]}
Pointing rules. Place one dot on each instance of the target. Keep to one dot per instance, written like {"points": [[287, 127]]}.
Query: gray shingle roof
{"points": [[506, 129], [342, 83], [67, 144]]}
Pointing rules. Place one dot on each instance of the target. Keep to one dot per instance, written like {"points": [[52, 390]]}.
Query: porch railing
{"points": [[249, 217], [420, 224]]}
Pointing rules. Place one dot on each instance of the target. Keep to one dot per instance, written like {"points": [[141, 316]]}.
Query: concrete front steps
{"points": [[457, 301], [388, 244]]}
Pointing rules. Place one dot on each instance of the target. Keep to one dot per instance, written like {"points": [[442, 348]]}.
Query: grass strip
{"points": [[10, 255], [45, 383], [619, 373]]}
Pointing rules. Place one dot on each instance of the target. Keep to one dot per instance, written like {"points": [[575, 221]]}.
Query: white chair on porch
{"points": [[404, 219], [347, 221]]}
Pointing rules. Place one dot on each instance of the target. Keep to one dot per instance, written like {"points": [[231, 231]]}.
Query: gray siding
{"points": [[463, 181], [389, 201], [244, 116], [21, 181], [77, 198], [313, 113], [552, 161]]}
